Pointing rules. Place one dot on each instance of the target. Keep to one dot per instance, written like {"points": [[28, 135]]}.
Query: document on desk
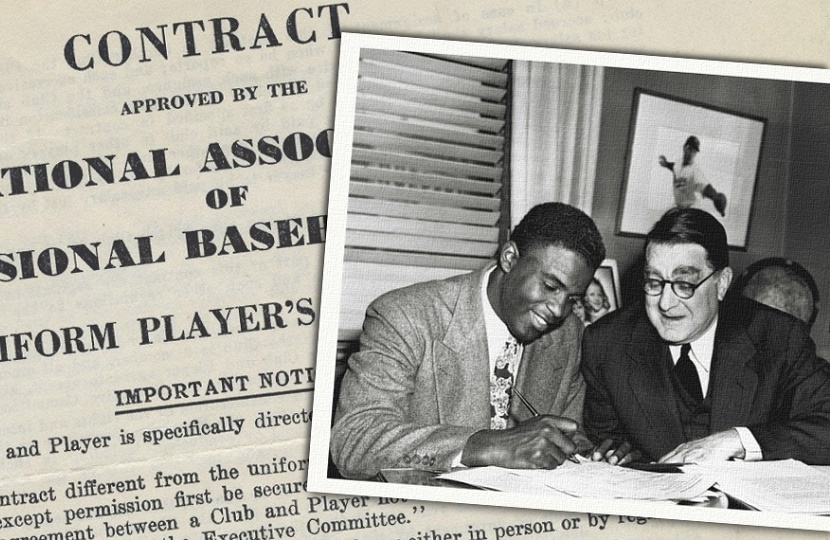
{"points": [[500, 479], [589, 479], [787, 486]]}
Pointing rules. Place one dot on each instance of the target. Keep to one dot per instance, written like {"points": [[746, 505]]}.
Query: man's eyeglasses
{"points": [[683, 289]]}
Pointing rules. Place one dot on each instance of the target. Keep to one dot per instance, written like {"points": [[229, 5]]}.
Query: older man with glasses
{"points": [[689, 377]]}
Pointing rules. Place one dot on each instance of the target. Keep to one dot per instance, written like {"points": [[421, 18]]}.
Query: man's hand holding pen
{"points": [[542, 442], [534, 412]]}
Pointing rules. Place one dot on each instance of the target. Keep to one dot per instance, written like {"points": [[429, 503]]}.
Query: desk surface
{"points": [[715, 498]]}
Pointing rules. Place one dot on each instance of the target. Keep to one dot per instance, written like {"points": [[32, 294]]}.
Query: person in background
{"points": [[688, 377], [432, 384]]}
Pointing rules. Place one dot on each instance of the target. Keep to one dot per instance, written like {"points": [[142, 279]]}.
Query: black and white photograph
{"points": [[687, 154], [602, 295], [534, 289]]}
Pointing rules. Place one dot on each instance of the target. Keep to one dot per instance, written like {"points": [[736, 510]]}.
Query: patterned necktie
{"points": [[501, 382], [687, 374]]}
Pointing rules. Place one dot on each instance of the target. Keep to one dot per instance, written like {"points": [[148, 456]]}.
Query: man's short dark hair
{"points": [[693, 226], [693, 143], [560, 225]]}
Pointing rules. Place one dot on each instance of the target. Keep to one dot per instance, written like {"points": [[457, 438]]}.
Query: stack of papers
{"points": [[589, 479], [787, 486], [499, 479]]}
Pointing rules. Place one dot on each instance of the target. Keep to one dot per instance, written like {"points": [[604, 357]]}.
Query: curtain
{"points": [[555, 135]]}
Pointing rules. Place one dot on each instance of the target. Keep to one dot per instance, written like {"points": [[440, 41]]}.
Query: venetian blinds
{"points": [[427, 162]]}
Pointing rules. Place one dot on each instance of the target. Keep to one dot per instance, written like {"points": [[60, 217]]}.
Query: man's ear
{"points": [[724, 280], [508, 256]]}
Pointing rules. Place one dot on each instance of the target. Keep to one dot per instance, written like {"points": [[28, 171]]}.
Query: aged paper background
{"points": [[50, 113]]}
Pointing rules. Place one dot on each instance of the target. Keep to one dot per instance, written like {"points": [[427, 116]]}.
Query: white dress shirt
{"points": [[497, 335], [495, 329]]}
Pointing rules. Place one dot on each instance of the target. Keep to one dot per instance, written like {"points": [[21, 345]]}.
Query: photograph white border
{"points": [[318, 480]]}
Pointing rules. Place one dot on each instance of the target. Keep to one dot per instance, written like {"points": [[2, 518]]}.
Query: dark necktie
{"points": [[687, 374]]}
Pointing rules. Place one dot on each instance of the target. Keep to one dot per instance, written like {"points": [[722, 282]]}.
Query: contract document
{"points": [[589, 479], [787, 486]]}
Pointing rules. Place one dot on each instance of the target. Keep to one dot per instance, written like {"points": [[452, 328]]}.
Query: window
{"points": [[427, 174]]}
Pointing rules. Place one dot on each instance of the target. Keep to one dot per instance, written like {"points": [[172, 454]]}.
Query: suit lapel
{"points": [[651, 386], [542, 363], [734, 378], [462, 360]]}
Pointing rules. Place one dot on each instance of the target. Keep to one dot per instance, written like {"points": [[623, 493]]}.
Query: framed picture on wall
{"points": [[603, 294], [688, 154]]}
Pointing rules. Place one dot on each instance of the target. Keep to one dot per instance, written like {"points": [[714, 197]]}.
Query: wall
{"points": [[772, 232], [807, 238]]}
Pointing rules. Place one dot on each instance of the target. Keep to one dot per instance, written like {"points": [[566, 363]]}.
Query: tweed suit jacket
{"points": [[420, 384], [764, 376]]}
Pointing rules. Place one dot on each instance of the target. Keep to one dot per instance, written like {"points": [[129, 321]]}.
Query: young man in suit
{"points": [[688, 377], [431, 386]]}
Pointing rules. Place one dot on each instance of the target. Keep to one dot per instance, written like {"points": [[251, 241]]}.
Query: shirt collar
{"points": [[702, 348], [497, 332]]}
